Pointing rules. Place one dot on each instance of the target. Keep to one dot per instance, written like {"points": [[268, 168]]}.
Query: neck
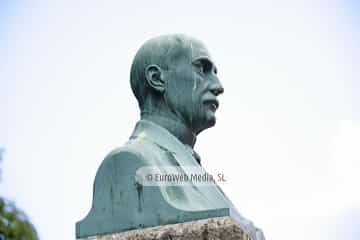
{"points": [[174, 126]]}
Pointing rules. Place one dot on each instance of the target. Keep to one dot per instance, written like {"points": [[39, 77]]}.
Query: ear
{"points": [[154, 77]]}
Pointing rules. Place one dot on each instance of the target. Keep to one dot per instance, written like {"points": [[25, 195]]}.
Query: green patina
{"points": [[175, 82]]}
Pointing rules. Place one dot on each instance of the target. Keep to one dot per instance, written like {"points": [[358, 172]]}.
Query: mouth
{"points": [[213, 103]]}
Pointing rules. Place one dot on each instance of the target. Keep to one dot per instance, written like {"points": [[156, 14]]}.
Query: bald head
{"points": [[174, 77], [163, 51]]}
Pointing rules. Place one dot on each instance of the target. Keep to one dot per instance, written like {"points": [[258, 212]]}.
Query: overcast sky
{"points": [[288, 130]]}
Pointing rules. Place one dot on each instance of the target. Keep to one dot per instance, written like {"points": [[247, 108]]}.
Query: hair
{"points": [[161, 50]]}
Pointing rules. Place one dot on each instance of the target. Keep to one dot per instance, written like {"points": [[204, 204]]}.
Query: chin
{"points": [[210, 122], [211, 119]]}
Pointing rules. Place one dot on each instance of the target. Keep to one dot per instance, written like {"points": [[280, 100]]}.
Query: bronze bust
{"points": [[175, 82]]}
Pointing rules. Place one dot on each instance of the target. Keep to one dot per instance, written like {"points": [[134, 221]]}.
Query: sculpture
{"points": [[174, 80]]}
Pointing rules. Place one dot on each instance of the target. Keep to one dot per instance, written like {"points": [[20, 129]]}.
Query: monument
{"points": [[174, 80]]}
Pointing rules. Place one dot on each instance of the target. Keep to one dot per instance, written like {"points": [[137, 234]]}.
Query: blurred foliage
{"points": [[14, 225], [1, 156]]}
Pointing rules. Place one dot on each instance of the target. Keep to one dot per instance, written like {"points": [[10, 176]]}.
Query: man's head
{"points": [[174, 75]]}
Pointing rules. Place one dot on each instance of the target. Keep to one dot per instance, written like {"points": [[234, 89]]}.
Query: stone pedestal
{"points": [[222, 228]]}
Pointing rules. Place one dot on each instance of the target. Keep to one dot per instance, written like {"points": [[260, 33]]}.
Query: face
{"points": [[193, 88]]}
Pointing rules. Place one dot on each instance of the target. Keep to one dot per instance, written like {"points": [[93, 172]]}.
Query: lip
{"points": [[214, 103]]}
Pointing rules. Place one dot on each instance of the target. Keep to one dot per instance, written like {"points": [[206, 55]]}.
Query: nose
{"points": [[216, 87]]}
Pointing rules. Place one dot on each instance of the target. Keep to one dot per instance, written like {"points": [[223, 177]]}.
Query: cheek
{"points": [[180, 96], [197, 94]]}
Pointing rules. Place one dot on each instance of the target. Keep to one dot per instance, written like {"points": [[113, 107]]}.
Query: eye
{"points": [[199, 67], [204, 66]]}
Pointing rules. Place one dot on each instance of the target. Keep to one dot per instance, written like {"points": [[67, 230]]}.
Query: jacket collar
{"points": [[153, 132]]}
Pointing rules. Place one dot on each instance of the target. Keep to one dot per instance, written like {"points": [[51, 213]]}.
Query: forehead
{"points": [[198, 50]]}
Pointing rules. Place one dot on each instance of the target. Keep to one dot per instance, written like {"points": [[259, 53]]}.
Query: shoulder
{"points": [[134, 151], [133, 148], [121, 161]]}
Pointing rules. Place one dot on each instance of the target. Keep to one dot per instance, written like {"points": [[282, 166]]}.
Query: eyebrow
{"points": [[207, 60]]}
